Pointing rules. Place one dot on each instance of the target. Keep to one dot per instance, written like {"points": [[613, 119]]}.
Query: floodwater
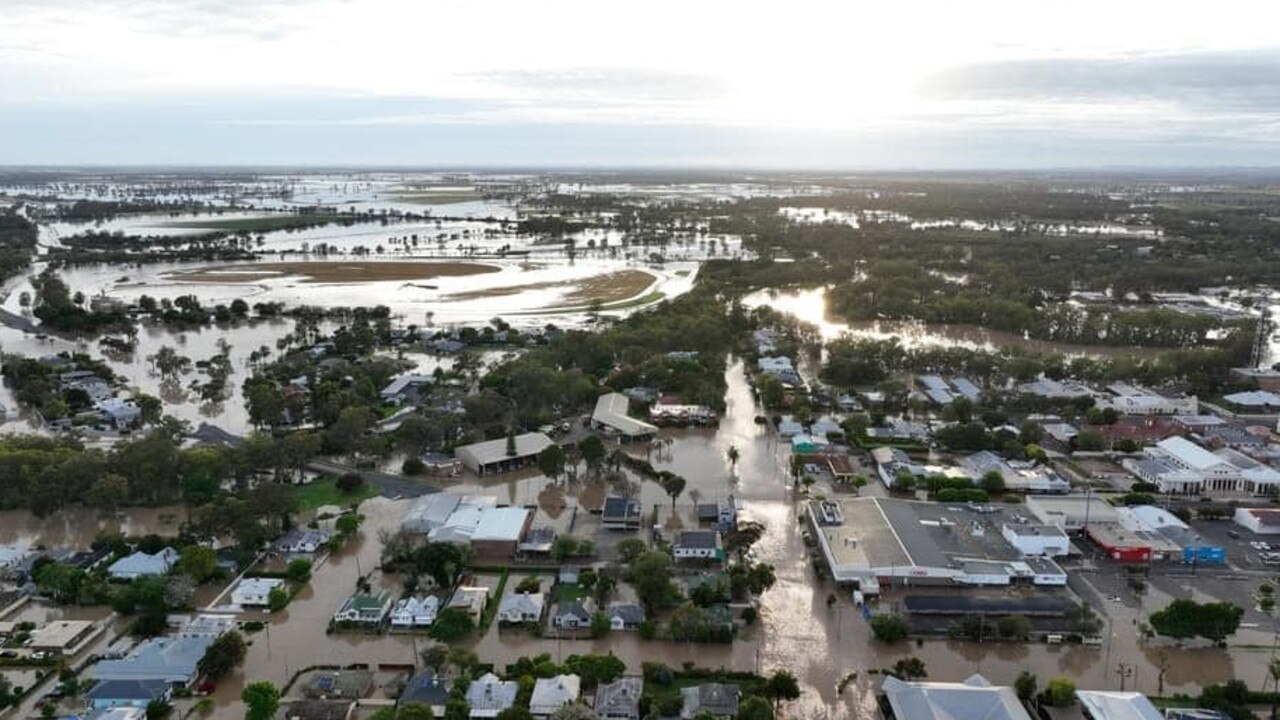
{"points": [[797, 630], [811, 306], [856, 218], [76, 528]]}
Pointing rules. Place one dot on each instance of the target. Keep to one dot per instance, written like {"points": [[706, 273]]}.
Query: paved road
{"points": [[18, 322], [391, 485]]}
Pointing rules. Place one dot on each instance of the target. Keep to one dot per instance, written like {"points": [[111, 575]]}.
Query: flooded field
{"points": [[858, 218], [811, 306]]}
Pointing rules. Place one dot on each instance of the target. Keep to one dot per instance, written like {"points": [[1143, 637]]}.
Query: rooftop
{"points": [[973, 699], [612, 410], [492, 451], [1110, 705]]}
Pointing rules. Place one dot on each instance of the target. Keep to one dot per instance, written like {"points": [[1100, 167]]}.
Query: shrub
{"points": [[889, 628], [348, 483], [413, 466]]}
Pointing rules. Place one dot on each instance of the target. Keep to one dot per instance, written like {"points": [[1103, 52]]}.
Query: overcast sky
{"points": [[835, 84]]}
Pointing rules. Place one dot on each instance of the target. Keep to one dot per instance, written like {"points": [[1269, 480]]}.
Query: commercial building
{"points": [[872, 542], [502, 455], [63, 636], [973, 699], [127, 693], [1018, 476], [697, 545], [1267, 378], [612, 416], [1259, 401], [1178, 466], [1037, 539], [1133, 400], [1171, 538], [620, 513], [469, 519], [1071, 512], [1263, 521]]}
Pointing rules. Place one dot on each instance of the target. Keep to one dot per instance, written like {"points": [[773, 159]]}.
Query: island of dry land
{"points": [[332, 272]]}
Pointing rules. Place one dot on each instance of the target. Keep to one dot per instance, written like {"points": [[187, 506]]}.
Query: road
{"points": [[392, 486]]}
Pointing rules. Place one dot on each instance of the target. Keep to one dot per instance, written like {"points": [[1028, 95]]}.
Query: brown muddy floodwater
{"points": [[797, 631]]}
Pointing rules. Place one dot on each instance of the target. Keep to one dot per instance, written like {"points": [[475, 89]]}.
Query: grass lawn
{"points": [[566, 593], [444, 197], [324, 491]]}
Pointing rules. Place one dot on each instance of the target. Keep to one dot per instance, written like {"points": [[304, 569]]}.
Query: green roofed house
{"points": [[364, 609]]}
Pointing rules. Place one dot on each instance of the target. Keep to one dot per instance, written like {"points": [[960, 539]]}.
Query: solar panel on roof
{"points": [[324, 682]]}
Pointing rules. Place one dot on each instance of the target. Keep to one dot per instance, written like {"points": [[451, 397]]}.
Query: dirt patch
{"points": [[607, 288], [332, 272]]}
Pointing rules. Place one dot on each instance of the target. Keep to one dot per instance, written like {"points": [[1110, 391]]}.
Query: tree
{"points": [[1184, 618], [630, 548], [782, 685], [277, 599], [263, 699], [1025, 685], [298, 570], [451, 624], [1060, 692], [349, 483], [889, 628], [673, 485], [223, 655], [551, 461], [1014, 627], [200, 562], [415, 711], [515, 713], [109, 492], [593, 452], [651, 577], [754, 708], [600, 624], [992, 481], [574, 711]]}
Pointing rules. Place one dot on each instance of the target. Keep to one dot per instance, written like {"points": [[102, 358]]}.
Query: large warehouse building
{"points": [[874, 542], [501, 455]]}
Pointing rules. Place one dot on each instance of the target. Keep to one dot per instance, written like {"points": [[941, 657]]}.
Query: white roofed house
{"points": [[611, 416], [973, 699], [301, 542], [255, 591], [551, 694], [140, 564], [119, 413], [415, 611], [520, 608], [487, 695], [781, 368]]}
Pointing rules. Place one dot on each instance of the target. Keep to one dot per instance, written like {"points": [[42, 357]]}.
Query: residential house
{"points": [[723, 512], [127, 693], [302, 542], [551, 694], [441, 465], [255, 591], [620, 513], [364, 609], [166, 659], [520, 608], [487, 695], [120, 414], [789, 426], [574, 614], [625, 616], [406, 389], [425, 688], [620, 699], [781, 368], [140, 564], [415, 611], [344, 684], [469, 598], [117, 713], [697, 545], [715, 699], [1112, 705], [972, 699]]}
